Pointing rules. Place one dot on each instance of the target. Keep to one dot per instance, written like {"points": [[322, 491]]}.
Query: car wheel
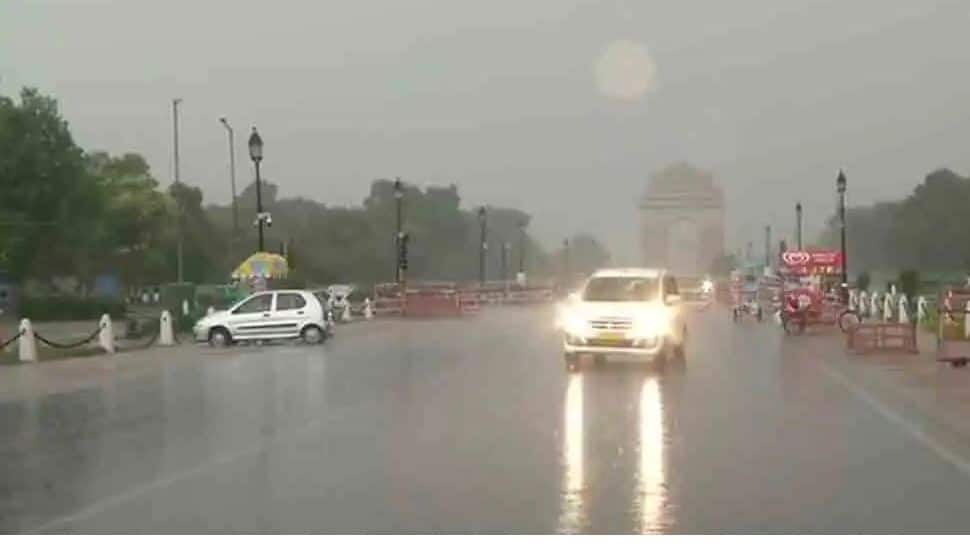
{"points": [[219, 337], [312, 334]]}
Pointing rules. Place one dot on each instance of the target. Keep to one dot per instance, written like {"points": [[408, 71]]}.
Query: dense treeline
{"points": [[925, 231], [67, 213]]}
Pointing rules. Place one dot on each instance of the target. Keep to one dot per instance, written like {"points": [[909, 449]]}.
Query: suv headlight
{"points": [[572, 322], [652, 323]]}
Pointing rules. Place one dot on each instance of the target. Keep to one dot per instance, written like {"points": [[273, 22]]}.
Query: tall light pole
{"points": [[798, 225], [178, 180], [767, 246], [522, 241], [840, 184], [399, 233], [506, 249], [232, 184], [256, 154], [565, 258], [483, 247]]}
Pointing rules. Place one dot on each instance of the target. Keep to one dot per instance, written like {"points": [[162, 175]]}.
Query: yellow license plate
{"points": [[612, 335]]}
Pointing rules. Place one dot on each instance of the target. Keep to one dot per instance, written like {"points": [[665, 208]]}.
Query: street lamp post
{"points": [[798, 225], [522, 248], [483, 247], [767, 246], [399, 234], [256, 154], [232, 178], [840, 183], [178, 180]]}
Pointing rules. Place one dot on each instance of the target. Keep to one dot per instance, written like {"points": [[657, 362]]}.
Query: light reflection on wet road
{"points": [[467, 426]]}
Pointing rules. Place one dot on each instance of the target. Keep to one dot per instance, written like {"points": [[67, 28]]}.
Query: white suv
{"points": [[280, 314], [634, 312]]}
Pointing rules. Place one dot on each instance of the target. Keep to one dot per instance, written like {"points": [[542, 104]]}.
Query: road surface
{"points": [[473, 426]]}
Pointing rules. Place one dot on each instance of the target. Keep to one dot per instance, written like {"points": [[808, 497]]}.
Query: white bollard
{"points": [[166, 335], [185, 307], [106, 336], [863, 304], [966, 322], [892, 289], [345, 316], [874, 304], [852, 299], [887, 308], [921, 310], [902, 315], [368, 311], [27, 344], [210, 311]]}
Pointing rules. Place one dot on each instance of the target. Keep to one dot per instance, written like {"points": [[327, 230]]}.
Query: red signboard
{"points": [[806, 262]]}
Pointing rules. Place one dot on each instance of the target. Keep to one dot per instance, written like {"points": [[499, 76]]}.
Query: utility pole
{"points": [[798, 225], [178, 180]]}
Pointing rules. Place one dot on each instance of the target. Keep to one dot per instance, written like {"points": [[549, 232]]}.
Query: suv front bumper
{"points": [[648, 347]]}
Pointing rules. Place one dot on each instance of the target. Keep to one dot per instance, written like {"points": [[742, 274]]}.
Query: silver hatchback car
{"points": [[278, 314]]}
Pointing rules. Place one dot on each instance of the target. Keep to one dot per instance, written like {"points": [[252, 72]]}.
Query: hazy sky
{"points": [[559, 107]]}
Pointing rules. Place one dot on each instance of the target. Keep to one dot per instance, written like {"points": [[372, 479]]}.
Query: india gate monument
{"points": [[682, 220]]}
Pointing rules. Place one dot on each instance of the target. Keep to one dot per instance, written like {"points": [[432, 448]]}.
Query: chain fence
{"points": [[67, 345], [8, 342]]}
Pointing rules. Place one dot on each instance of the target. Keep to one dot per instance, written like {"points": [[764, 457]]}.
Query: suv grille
{"points": [[611, 324]]}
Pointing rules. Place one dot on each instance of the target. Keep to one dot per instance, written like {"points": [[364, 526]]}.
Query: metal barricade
{"points": [[882, 337]]}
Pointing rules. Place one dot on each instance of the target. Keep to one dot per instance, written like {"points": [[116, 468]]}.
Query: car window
{"points": [[289, 301], [258, 303], [620, 289]]}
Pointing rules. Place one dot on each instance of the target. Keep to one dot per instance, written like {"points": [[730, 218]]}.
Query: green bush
{"points": [[909, 283], [69, 308]]}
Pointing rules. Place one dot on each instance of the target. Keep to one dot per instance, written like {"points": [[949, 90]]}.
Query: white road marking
{"points": [[914, 431]]}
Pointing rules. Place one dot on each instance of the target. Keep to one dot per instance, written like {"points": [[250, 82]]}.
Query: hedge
{"points": [[67, 308]]}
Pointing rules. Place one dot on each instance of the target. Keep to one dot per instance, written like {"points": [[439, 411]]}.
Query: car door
{"points": [[290, 313], [252, 318]]}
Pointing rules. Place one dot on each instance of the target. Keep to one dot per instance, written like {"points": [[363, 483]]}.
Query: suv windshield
{"points": [[620, 289]]}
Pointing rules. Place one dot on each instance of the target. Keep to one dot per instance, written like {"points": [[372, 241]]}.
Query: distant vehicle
{"points": [[635, 312], [279, 314], [338, 296]]}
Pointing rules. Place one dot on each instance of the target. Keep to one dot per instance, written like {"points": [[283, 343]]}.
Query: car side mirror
{"points": [[671, 299]]}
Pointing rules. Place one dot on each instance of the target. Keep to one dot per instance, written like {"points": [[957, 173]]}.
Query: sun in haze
{"points": [[625, 70]]}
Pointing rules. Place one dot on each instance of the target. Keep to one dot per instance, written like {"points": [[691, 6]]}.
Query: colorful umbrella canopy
{"points": [[262, 265]]}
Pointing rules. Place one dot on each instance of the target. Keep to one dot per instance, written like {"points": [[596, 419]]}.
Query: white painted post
{"points": [[368, 311], [106, 337], [892, 289], [27, 344], [166, 335], [921, 310], [863, 304], [966, 322], [874, 304], [852, 299], [185, 307], [902, 315], [345, 317], [887, 308]]}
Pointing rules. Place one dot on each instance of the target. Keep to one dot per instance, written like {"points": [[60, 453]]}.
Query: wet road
{"points": [[455, 426]]}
